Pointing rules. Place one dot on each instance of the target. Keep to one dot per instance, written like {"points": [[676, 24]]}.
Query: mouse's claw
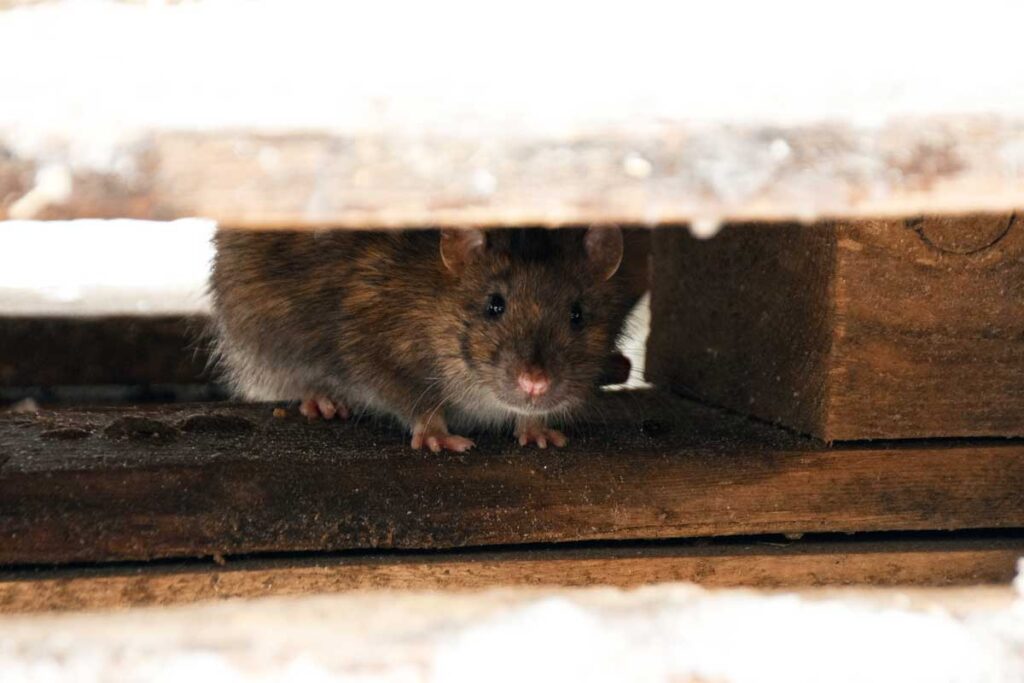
{"points": [[314, 407], [434, 435], [442, 442], [535, 431]]}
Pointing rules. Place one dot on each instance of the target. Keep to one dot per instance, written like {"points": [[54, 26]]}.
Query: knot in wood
{"points": [[962, 235]]}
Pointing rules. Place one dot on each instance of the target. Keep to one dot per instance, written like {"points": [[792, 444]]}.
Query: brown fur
{"points": [[376, 320]]}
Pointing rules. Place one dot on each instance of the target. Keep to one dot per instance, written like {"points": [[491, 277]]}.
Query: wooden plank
{"points": [[852, 330], [946, 562], [191, 481], [324, 180], [463, 127], [739, 319], [935, 306], [59, 351]]}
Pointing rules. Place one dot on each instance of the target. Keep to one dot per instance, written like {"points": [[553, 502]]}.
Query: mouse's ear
{"points": [[604, 250], [460, 246]]}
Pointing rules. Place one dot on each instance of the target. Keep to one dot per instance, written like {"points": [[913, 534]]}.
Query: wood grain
{"points": [[60, 351], [741, 319], [929, 335], [756, 565], [194, 481], [851, 330], [319, 179], [621, 122]]}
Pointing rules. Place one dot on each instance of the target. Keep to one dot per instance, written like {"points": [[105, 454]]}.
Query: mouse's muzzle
{"points": [[532, 390], [533, 382]]}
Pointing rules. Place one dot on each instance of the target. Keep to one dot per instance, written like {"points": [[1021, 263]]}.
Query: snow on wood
{"points": [[91, 267], [660, 633], [385, 114]]}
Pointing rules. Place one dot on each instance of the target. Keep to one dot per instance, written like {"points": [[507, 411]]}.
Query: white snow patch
{"points": [[727, 637], [705, 227], [53, 185], [636, 166], [85, 77], [657, 633], [101, 267]]}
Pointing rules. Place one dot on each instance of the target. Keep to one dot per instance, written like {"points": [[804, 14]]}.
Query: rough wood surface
{"points": [[851, 330], [739, 319], [466, 127], [758, 565], [322, 180], [58, 351], [189, 481]]}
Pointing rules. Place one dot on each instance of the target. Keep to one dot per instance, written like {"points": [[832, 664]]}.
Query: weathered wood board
{"points": [[331, 180], [622, 122], [200, 480], [799, 564], [849, 330], [61, 351]]}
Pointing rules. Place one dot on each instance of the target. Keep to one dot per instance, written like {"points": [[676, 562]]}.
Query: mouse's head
{"points": [[538, 313]]}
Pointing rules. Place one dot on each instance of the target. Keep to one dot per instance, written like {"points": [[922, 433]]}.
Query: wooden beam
{"points": [[853, 330], [461, 127], [61, 351], [936, 562], [325, 180], [193, 481]]}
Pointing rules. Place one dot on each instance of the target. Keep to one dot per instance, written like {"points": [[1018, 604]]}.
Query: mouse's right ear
{"points": [[604, 250], [460, 246]]}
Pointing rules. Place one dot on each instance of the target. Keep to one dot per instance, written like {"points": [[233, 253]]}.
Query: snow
{"points": [[97, 267], [80, 77], [669, 632]]}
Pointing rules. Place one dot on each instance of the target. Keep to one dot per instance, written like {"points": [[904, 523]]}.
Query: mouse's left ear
{"points": [[604, 250], [460, 246]]}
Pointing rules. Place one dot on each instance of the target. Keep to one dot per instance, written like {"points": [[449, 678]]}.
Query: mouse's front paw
{"points": [[535, 431], [314, 407], [437, 442], [434, 435]]}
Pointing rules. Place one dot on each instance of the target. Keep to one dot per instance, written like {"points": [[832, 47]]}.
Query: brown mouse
{"points": [[438, 328]]}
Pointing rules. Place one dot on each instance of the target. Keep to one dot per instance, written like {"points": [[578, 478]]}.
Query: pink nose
{"points": [[534, 382]]}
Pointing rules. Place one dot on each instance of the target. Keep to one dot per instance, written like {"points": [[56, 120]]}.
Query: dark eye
{"points": [[576, 316], [495, 306]]}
